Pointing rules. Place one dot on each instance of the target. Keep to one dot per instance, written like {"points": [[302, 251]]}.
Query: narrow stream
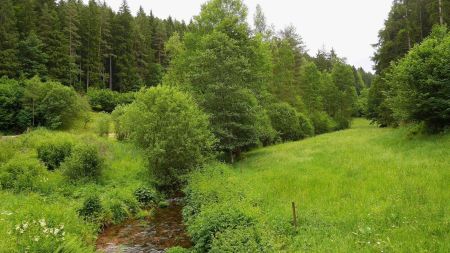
{"points": [[154, 235]]}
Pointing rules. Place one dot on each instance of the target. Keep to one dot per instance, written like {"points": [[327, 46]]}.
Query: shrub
{"points": [[105, 100], [119, 211], [211, 222], [240, 239], [52, 154], [51, 105], [322, 123], [306, 128], [22, 173], [119, 130], [285, 121], [103, 124], [172, 129], [145, 196], [84, 164], [267, 134], [420, 83], [11, 94], [91, 209]]}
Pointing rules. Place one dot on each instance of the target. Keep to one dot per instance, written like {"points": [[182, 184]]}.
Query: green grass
{"points": [[57, 201], [364, 189]]}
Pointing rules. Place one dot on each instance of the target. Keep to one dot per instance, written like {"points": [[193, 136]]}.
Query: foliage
{"points": [[52, 154], [103, 124], [210, 223], [306, 128], [240, 239], [91, 209], [285, 121], [172, 129], [84, 164], [22, 173], [105, 100], [119, 129], [322, 123], [420, 90], [145, 196], [177, 250], [11, 93], [50, 104]]}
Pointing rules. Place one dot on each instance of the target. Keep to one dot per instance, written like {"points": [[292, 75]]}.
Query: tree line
{"points": [[411, 61], [83, 45]]}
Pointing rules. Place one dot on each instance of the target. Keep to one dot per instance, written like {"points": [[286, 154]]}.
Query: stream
{"points": [[155, 234]]}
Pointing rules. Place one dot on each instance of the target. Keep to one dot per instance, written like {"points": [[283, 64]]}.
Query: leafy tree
{"points": [[11, 94], [345, 97], [420, 83], [50, 104], [377, 108], [172, 129], [285, 121]]}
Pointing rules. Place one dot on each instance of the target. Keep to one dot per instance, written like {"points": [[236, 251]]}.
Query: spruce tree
{"points": [[8, 40]]}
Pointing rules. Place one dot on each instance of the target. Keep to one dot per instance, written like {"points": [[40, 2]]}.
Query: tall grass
{"points": [[364, 189]]}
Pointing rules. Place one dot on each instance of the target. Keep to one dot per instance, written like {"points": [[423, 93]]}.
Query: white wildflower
{"points": [[36, 238]]}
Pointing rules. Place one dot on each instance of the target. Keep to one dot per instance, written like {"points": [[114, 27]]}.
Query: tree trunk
{"points": [[441, 15]]}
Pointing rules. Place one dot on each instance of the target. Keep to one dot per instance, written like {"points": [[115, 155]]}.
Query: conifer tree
{"points": [[8, 40]]}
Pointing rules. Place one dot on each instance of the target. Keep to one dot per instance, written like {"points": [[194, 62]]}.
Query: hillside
{"points": [[362, 189]]}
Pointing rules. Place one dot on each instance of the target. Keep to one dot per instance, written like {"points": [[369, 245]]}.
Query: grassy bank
{"points": [[364, 189], [40, 211]]}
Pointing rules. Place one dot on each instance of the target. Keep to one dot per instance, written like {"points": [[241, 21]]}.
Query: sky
{"points": [[348, 26]]}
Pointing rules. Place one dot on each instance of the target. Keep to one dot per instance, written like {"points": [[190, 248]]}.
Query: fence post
{"points": [[294, 214]]}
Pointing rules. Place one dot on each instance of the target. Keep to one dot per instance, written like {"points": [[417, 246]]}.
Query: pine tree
{"points": [[125, 70], [33, 59], [8, 40]]}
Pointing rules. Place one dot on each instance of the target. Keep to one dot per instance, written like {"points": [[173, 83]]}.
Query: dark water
{"points": [[154, 235]]}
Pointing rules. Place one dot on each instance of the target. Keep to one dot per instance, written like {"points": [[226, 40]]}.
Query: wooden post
{"points": [[294, 214]]}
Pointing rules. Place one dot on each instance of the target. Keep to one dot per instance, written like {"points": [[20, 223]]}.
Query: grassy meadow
{"points": [[364, 189], [45, 217]]}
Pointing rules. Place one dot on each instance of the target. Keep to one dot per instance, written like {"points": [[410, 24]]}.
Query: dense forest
{"points": [[114, 119]]}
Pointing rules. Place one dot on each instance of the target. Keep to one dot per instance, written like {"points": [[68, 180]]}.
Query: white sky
{"points": [[349, 26]]}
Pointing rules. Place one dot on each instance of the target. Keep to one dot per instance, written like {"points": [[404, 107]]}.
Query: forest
{"points": [[127, 132]]}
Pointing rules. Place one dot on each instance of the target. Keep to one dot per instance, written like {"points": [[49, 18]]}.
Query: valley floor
{"points": [[364, 189]]}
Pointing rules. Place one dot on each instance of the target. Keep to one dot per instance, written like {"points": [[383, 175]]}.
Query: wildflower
{"points": [[36, 238], [42, 222]]}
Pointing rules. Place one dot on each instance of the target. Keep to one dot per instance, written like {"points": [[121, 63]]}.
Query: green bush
{"points": [[85, 164], [11, 93], [172, 129], [145, 196], [103, 124], [105, 100], [266, 133], [119, 130], [322, 123], [306, 128], [51, 105], [240, 239], [420, 83], [22, 173], [91, 209], [211, 222], [52, 154], [119, 211], [285, 121]]}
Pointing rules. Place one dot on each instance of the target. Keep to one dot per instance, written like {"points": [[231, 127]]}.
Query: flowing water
{"points": [[153, 235]]}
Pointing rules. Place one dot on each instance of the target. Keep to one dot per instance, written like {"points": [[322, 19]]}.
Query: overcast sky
{"points": [[349, 26]]}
